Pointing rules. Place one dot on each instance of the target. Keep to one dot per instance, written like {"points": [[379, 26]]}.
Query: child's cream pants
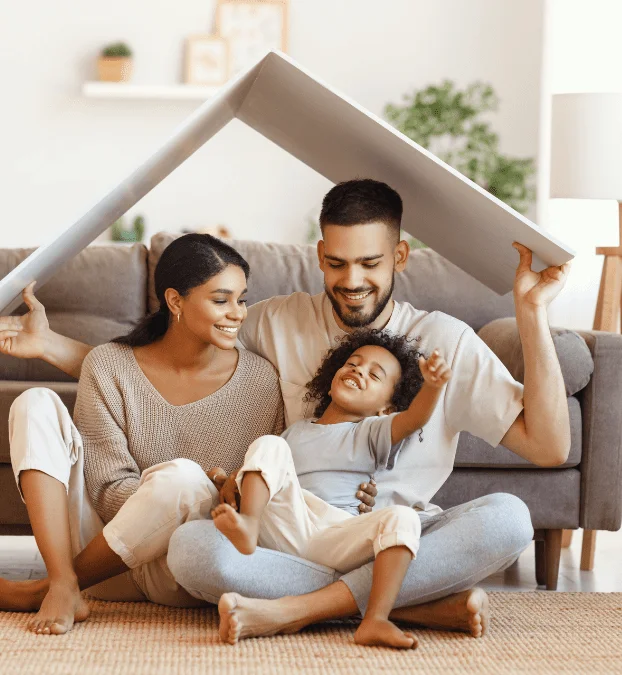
{"points": [[297, 522]]}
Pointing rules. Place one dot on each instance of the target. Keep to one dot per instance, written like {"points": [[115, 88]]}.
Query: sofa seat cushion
{"points": [[573, 353], [553, 497], [10, 390], [476, 453], [99, 294]]}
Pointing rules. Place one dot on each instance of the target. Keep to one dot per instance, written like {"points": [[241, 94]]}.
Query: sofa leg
{"points": [[588, 549], [567, 538], [540, 563], [553, 546]]}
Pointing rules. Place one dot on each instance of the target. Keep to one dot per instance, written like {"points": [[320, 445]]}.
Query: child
{"points": [[373, 391]]}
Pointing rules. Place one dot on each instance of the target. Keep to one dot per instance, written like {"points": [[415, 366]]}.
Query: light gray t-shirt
{"points": [[332, 460]]}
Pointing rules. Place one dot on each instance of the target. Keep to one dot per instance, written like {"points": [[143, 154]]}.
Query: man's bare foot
{"points": [[61, 607], [467, 611], [383, 633], [242, 617], [240, 530], [22, 596]]}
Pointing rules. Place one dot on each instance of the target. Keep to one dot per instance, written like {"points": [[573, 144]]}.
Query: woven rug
{"points": [[530, 633]]}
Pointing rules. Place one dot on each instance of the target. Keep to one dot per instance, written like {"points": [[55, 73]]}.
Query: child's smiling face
{"points": [[364, 385]]}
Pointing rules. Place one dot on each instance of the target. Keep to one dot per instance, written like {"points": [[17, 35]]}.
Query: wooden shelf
{"points": [[128, 90]]}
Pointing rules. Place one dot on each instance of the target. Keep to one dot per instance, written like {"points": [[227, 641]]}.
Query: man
{"points": [[359, 255]]}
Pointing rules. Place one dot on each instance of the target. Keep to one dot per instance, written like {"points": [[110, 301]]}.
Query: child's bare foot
{"points": [[467, 611], [383, 633], [61, 607], [240, 530]]}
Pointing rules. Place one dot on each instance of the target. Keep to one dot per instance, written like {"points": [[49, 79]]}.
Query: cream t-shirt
{"points": [[294, 332]]}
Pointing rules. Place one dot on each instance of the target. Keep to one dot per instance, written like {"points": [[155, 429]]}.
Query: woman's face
{"points": [[215, 310]]}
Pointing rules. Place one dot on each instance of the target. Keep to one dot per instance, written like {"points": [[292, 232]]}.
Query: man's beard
{"points": [[357, 319]]}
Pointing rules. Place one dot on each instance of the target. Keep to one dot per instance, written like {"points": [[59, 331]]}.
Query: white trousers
{"points": [[297, 522], [44, 438]]}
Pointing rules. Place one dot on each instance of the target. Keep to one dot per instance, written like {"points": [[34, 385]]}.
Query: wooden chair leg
{"points": [[553, 548], [588, 549], [566, 538], [540, 563]]}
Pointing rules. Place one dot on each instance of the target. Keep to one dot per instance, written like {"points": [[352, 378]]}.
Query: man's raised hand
{"points": [[23, 336], [537, 288]]}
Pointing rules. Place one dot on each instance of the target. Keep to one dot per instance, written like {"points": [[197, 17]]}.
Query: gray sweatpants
{"points": [[459, 548]]}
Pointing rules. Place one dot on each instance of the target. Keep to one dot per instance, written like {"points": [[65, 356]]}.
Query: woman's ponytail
{"points": [[148, 330]]}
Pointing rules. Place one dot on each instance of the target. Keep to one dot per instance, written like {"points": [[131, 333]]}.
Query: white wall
{"points": [[62, 152], [583, 54]]}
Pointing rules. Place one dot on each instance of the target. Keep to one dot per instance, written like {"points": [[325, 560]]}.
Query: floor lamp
{"points": [[586, 163]]}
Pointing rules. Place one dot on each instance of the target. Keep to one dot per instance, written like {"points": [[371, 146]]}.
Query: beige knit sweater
{"points": [[127, 426]]}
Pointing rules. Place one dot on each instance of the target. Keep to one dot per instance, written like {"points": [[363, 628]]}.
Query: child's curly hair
{"points": [[399, 345]]}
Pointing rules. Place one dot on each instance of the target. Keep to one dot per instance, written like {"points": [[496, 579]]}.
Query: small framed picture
{"points": [[207, 60], [252, 28]]}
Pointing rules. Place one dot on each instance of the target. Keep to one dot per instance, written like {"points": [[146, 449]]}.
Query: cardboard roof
{"points": [[340, 140]]}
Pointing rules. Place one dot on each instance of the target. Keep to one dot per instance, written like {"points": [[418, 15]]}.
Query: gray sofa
{"points": [[105, 290]]}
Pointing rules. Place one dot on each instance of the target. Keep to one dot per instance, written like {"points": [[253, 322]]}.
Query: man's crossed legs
{"points": [[271, 592]]}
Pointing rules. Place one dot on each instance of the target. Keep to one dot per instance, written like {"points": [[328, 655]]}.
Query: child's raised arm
{"points": [[436, 374]]}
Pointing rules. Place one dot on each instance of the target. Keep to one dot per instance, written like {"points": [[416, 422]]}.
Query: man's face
{"points": [[359, 263]]}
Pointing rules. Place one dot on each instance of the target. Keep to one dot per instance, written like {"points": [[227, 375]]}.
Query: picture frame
{"points": [[252, 28], [207, 60]]}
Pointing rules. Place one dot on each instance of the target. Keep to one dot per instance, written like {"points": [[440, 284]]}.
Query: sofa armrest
{"points": [[601, 461], [575, 359]]}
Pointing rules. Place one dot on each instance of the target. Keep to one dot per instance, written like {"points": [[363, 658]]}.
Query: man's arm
{"points": [[29, 337], [541, 433]]}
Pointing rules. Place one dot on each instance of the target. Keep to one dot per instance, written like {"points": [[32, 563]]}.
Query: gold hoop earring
{"points": [[178, 316]]}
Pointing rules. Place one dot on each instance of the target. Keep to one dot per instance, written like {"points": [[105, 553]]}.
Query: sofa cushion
{"points": [[574, 356], [99, 294], [473, 452], [553, 497], [280, 269], [10, 390]]}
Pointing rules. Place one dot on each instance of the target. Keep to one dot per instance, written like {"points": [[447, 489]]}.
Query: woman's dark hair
{"points": [[399, 345], [185, 263]]}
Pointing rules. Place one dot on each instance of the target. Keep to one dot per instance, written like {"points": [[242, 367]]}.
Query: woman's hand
{"points": [[366, 496], [218, 476], [229, 494], [24, 336]]}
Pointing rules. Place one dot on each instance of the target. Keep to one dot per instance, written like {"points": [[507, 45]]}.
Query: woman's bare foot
{"points": [[240, 530], [383, 633], [467, 611], [59, 604], [61, 607]]}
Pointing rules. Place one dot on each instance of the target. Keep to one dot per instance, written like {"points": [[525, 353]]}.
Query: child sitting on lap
{"points": [[373, 391]]}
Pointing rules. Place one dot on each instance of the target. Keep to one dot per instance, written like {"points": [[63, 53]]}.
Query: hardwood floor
{"points": [[20, 559]]}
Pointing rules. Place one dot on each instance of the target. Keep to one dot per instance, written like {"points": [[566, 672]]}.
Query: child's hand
{"points": [[435, 371]]}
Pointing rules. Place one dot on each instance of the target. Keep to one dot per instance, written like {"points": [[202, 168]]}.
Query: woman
{"points": [[111, 489]]}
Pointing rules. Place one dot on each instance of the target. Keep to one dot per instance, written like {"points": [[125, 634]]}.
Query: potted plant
{"points": [[120, 232], [115, 63], [454, 125]]}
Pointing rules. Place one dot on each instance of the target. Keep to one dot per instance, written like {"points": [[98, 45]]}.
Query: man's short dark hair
{"points": [[362, 201]]}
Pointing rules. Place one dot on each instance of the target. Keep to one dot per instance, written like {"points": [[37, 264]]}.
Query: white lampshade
{"points": [[586, 146]]}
